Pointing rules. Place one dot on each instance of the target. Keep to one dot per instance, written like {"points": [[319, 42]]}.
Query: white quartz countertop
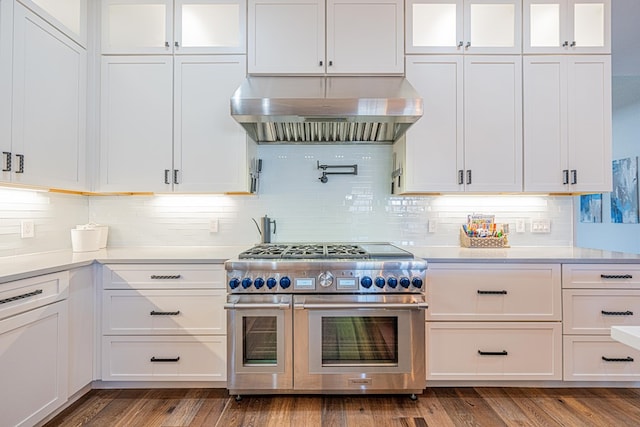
{"points": [[23, 266], [629, 335]]}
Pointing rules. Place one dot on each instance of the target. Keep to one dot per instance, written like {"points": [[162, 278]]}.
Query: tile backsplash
{"points": [[346, 208]]}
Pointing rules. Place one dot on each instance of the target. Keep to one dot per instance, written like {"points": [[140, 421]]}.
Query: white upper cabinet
{"points": [[463, 26], [567, 123], [69, 16], [470, 137], [48, 136], [147, 26], [567, 26], [357, 37]]}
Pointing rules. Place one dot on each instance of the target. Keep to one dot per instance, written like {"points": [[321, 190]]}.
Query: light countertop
{"points": [[23, 266], [629, 335]]}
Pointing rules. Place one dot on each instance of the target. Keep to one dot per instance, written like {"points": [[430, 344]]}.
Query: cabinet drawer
{"points": [[494, 351], [198, 358], [163, 276], [168, 312], [584, 359], [505, 292], [601, 276], [594, 311], [22, 295]]}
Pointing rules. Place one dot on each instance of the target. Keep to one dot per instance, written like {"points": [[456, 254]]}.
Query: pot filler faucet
{"points": [[265, 228]]}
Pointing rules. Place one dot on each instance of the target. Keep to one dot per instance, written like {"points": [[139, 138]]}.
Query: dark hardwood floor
{"points": [[439, 407]]}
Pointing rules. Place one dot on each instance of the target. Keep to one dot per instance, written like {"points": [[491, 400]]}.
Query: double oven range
{"points": [[335, 318]]}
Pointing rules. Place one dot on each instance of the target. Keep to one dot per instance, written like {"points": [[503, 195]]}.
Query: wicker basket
{"points": [[482, 242]]}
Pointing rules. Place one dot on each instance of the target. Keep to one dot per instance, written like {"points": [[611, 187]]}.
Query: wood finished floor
{"points": [[440, 407]]}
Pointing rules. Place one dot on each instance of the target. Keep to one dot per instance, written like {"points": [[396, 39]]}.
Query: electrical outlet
{"points": [[541, 225], [27, 229], [519, 225], [433, 226], [214, 225]]}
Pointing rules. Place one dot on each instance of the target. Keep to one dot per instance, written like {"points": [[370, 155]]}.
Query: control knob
{"points": [[246, 282], [271, 283], [285, 282], [380, 282], [366, 282], [392, 282], [404, 282], [234, 283], [417, 282], [258, 283], [325, 279]]}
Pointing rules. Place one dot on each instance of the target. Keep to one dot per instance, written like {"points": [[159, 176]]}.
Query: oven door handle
{"points": [[348, 306], [257, 306]]}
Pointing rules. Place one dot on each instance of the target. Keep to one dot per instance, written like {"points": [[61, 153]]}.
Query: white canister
{"points": [[103, 229], [85, 240]]}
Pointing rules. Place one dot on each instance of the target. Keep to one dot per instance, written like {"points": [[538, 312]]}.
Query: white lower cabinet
{"points": [[596, 297], [494, 351], [163, 322], [82, 328], [33, 349], [494, 322]]}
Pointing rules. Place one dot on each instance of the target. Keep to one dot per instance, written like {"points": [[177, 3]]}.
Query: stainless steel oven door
{"points": [[359, 343], [259, 340]]}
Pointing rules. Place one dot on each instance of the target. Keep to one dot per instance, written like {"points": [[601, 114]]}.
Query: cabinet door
{"points": [[492, 26], [434, 26], [49, 105], [210, 151], [33, 364], [440, 130], [136, 124], [137, 26], [365, 37], [6, 46], [567, 26], [590, 129], [589, 26], [286, 36], [493, 123], [210, 26], [545, 124]]}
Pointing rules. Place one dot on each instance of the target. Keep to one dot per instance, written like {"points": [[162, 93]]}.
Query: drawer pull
{"points": [[616, 276], [492, 353], [164, 359], [19, 297], [614, 359], [491, 292], [617, 313], [165, 277], [164, 313]]}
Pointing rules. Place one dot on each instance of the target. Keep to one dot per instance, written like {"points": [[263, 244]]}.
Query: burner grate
{"points": [[305, 251]]}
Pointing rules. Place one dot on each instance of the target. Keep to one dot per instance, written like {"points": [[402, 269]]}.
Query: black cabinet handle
{"points": [[7, 161], [321, 63], [19, 297], [164, 313], [491, 292], [330, 63], [615, 359], [460, 177], [176, 44], [617, 313], [166, 176], [20, 163], [492, 353], [165, 277], [573, 44], [565, 44], [164, 359], [565, 176], [175, 176], [616, 276], [166, 44], [574, 176], [469, 176]]}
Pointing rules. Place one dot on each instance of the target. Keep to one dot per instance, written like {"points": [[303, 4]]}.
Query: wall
{"points": [[626, 131], [347, 208]]}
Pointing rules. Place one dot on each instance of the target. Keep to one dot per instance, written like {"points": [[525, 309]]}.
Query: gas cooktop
{"points": [[275, 251]]}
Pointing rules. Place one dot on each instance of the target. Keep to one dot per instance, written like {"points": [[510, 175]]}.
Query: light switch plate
{"points": [[433, 226], [27, 229], [214, 225], [519, 225], [541, 225]]}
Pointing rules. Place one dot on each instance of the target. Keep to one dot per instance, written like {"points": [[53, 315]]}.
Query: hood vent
{"points": [[326, 110]]}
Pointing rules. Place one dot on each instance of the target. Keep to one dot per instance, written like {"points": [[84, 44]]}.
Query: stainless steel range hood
{"points": [[326, 110]]}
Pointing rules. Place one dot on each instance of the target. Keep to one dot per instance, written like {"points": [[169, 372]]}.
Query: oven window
{"points": [[362, 341], [260, 340]]}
